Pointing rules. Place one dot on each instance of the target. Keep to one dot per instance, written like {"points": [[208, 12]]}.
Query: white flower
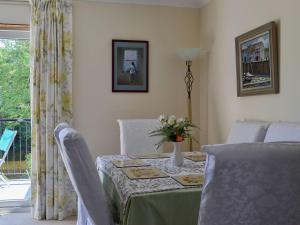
{"points": [[162, 118], [189, 130], [180, 120], [172, 120]]}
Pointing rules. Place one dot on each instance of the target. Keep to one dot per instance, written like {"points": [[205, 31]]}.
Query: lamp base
{"points": [[189, 104]]}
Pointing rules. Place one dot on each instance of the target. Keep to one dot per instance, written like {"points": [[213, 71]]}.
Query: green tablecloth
{"points": [[170, 207], [176, 207]]}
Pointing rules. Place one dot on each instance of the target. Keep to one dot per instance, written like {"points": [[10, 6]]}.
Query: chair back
{"points": [[6, 141], [134, 136], [251, 183], [57, 130], [83, 175]]}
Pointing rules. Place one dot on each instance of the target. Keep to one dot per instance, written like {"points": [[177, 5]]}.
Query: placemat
{"points": [[150, 156], [190, 180], [129, 163], [144, 173], [195, 156]]}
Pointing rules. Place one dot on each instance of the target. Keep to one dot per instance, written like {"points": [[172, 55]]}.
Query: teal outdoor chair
{"points": [[6, 141]]}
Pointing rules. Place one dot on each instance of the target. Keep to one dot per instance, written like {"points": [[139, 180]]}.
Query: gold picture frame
{"points": [[257, 61]]}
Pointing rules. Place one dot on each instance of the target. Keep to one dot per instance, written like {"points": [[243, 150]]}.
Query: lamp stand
{"points": [[189, 79]]}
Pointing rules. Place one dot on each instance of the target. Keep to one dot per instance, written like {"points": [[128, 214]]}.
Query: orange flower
{"points": [[179, 138]]}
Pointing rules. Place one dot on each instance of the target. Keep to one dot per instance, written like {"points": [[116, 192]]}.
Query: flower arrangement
{"points": [[173, 129]]}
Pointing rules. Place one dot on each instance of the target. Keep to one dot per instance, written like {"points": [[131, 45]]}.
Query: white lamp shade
{"points": [[189, 54]]}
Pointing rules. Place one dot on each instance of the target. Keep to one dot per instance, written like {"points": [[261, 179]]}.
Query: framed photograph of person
{"points": [[257, 61], [130, 66]]}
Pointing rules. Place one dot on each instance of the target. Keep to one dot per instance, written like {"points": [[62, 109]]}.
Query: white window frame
{"points": [[16, 32]]}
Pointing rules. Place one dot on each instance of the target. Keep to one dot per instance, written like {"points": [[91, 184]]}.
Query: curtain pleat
{"points": [[51, 99]]}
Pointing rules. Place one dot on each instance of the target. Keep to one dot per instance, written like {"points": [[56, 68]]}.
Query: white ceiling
{"points": [[177, 3]]}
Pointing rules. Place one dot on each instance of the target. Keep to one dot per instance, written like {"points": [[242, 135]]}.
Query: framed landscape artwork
{"points": [[130, 66], [257, 61]]}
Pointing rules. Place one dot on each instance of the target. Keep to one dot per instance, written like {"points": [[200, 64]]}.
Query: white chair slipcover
{"points": [[283, 132], [135, 136], [92, 207], [247, 132], [251, 183]]}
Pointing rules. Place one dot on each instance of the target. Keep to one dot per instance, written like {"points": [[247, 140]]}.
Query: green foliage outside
{"points": [[15, 97], [28, 158], [14, 79]]}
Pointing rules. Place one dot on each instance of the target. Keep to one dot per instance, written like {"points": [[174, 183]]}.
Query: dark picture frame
{"points": [[257, 61], [130, 65]]}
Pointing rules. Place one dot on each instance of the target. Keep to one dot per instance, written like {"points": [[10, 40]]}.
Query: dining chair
{"points": [[251, 183], [92, 207], [6, 141], [247, 131], [134, 136]]}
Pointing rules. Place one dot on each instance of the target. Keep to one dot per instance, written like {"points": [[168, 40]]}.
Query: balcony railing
{"points": [[18, 161]]}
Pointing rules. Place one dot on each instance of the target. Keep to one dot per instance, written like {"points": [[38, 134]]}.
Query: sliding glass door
{"points": [[15, 115]]}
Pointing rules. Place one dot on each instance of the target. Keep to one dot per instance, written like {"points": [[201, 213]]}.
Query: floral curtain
{"points": [[51, 88]]}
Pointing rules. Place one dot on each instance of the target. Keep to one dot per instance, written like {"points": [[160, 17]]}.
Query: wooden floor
{"points": [[25, 219]]}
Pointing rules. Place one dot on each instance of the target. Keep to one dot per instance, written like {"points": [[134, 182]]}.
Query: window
{"points": [[130, 61], [15, 112]]}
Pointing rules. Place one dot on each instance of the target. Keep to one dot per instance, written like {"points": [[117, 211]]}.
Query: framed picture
{"points": [[257, 61], [130, 66]]}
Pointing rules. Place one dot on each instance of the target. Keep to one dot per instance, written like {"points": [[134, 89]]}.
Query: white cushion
{"points": [[283, 132], [247, 132], [135, 136]]}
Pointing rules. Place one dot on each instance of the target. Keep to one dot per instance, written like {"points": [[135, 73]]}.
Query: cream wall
{"points": [[214, 27], [220, 22], [96, 108]]}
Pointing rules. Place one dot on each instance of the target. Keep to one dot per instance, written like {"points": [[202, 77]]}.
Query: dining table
{"points": [[150, 190]]}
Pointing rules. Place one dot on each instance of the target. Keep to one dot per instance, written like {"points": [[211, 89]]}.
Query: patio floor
{"points": [[17, 190]]}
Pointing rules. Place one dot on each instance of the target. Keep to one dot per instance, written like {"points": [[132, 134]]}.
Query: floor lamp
{"points": [[188, 55]]}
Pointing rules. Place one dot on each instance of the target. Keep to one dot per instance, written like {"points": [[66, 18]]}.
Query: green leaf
{"points": [[14, 79]]}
